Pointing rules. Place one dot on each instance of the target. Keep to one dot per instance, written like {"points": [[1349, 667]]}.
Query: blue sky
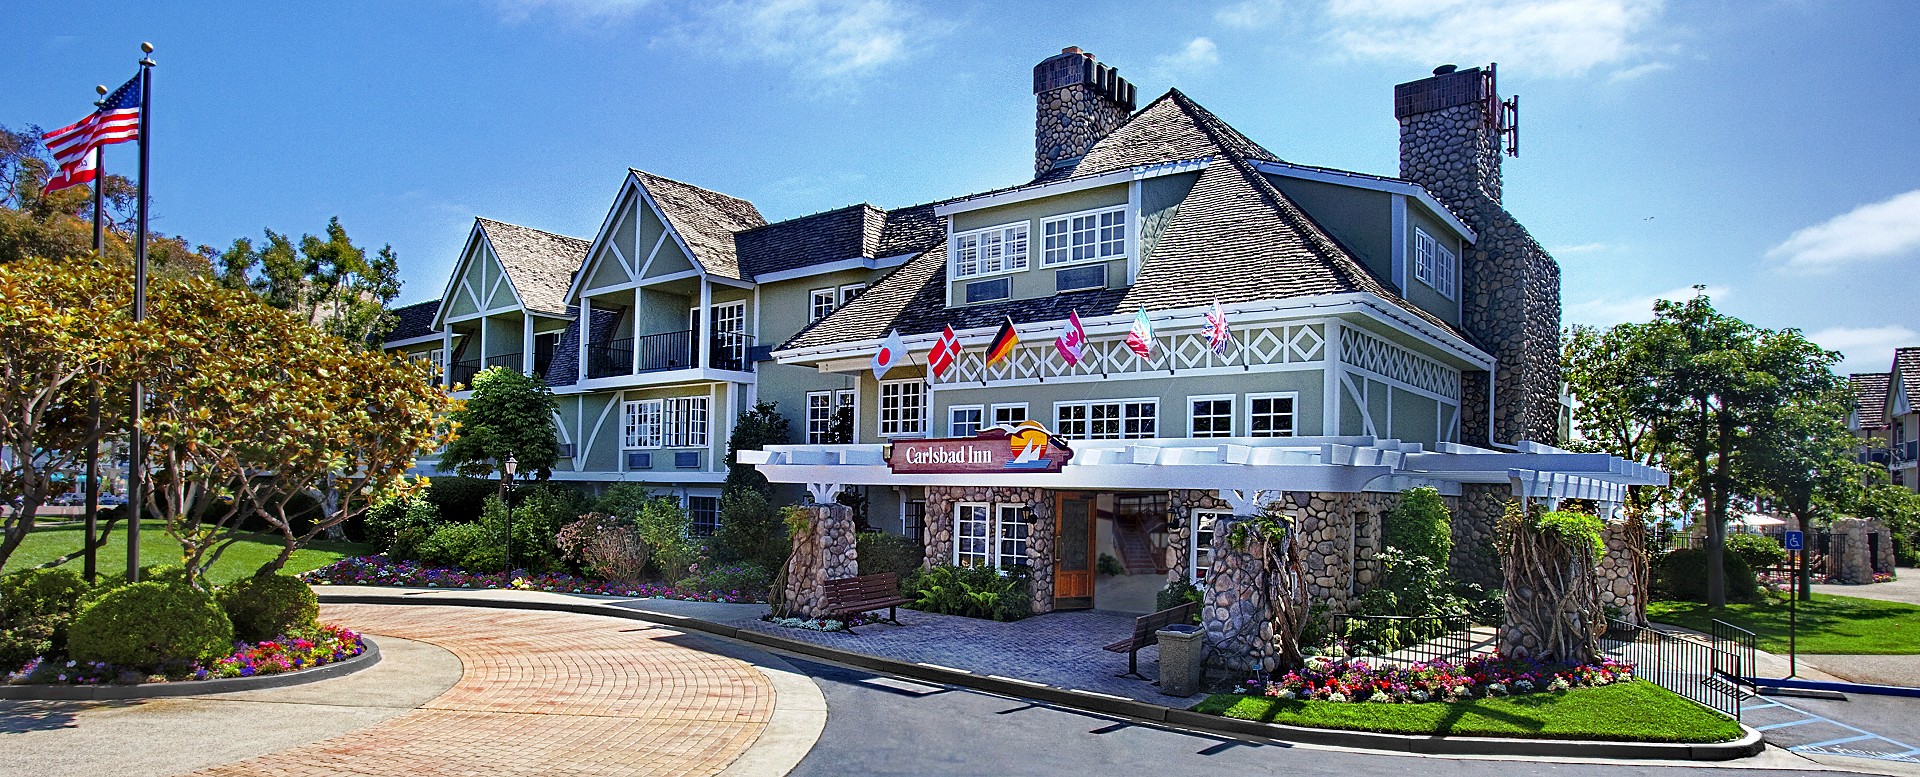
{"points": [[1764, 149]]}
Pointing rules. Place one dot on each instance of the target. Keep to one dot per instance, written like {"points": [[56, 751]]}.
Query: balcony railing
{"points": [[667, 351], [511, 361], [462, 372]]}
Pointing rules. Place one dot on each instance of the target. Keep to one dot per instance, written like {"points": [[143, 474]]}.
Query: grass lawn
{"points": [[51, 542], [1638, 711], [1828, 624]]}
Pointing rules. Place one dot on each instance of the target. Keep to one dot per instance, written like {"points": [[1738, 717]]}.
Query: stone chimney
{"points": [[1451, 142], [1077, 101]]}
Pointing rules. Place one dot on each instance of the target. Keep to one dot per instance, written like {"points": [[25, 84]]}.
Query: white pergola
{"points": [[1241, 469]]}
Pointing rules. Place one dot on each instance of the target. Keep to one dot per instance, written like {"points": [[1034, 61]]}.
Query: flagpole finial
{"points": [[146, 49], [99, 88]]}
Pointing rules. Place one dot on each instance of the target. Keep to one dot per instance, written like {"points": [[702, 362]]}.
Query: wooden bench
{"points": [[849, 596], [1143, 634]]}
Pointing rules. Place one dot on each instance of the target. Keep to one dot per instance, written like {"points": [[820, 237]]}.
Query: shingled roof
{"points": [[705, 219], [1236, 238], [843, 233], [413, 321], [1870, 398], [540, 265], [1907, 362]]}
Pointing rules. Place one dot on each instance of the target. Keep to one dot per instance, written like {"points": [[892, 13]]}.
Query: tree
{"points": [[1807, 469], [1713, 388], [509, 414], [65, 340], [59, 226], [328, 281], [1607, 389], [755, 429]]}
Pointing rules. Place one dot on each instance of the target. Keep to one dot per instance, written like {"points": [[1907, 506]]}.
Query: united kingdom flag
{"points": [[1216, 331]]}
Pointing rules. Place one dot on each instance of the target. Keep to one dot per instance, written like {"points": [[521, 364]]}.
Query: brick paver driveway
{"points": [[545, 694]]}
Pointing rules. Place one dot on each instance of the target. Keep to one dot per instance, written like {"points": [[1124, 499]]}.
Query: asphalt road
{"points": [[880, 725]]}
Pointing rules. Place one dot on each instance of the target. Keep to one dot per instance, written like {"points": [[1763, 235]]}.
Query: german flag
{"points": [[1004, 342]]}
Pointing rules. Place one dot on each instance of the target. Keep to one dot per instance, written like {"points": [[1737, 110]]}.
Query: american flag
{"points": [[944, 352], [73, 146]]}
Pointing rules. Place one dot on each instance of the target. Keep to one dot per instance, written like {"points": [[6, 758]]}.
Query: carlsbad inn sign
{"points": [[1023, 447]]}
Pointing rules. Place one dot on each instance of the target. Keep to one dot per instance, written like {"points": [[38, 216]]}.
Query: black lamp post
{"points": [[507, 468]]}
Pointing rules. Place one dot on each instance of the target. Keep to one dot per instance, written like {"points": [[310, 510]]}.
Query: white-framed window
{"points": [[1009, 413], [1424, 247], [823, 407], [963, 420], [849, 291], [703, 515], [990, 251], [1200, 551], [903, 408], [1210, 416], [824, 301], [971, 544], [1012, 529], [1126, 419], [1084, 237], [685, 422], [642, 427], [1446, 268], [1270, 415]]}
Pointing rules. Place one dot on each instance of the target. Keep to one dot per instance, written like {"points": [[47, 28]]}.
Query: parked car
{"points": [[69, 499], [112, 500]]}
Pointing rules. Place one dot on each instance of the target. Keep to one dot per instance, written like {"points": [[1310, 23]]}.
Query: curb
{"points": [[1836, 687], [1748, 745], [341, 668]]}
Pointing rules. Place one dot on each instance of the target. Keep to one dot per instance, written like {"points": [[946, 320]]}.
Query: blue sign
{"points": [[1796, 540]]}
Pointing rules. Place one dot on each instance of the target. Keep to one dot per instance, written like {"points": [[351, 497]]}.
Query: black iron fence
{"points": [[512, 361], [1709, 669], [1406, 639], [462, 372], [615, 357]]}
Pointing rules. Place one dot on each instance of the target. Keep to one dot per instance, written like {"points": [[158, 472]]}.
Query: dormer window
{"points": [[1084, 237], [1434, 264], [990, 251]]}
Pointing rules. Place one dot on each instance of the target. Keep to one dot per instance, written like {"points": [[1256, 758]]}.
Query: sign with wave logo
{"points": [[1023, 447]]}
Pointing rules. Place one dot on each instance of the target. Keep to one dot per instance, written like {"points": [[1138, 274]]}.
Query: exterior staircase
{"points": [[1136, 549]]}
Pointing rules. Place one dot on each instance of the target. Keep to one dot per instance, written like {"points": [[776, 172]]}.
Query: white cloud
{"points": [[1638, 71], [575, 12], [1866, 349], [1251, 14], [818, 40], [1879, 230], [1199, 54], [1607, 312], [1583, 248], [1536, 37]]}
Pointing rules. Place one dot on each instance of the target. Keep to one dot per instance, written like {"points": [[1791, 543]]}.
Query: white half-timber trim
{"points": [[1301, 344], [1240, 468], [1038, 191]]}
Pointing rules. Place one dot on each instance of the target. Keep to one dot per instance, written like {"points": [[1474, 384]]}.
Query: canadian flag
{"points": [[1072, 340], [892, 351]]}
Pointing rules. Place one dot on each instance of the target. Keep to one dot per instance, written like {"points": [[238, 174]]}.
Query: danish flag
{"points": [[945, 352]]}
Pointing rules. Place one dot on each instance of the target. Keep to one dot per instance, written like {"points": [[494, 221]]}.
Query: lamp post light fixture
{"points": [[507, 470]]}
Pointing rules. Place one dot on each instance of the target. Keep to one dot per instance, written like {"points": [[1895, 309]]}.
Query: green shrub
{"points": [[485, 559], [460, 499], [663, 526], [542, 511], [1758, 550], [170, 574], [267, 606], [407, 542], [1177, 593], [751, 530], [146, 624], [623, 500], [880, 552], [743, 577], [1420, 526], [450, 545], [1574, 528], [1108, 565], [388, 519], [975, 592], [36, 608], [1682, 575]]}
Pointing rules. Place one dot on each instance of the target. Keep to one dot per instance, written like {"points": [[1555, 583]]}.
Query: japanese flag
{"points": [[892, 351]]}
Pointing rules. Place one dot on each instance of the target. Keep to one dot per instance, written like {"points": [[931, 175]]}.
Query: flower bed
{"points": [[1435, 681], [287, 654], [380, 570]]}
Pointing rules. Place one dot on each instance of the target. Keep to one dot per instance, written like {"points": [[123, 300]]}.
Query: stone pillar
{"points": [[825, 551], [1476, 516], [1552, 595], [1236, 616], [1040, 542], [1625, 574], [1180, 507], [1077, 101], [1850, 559], [939, 524]]}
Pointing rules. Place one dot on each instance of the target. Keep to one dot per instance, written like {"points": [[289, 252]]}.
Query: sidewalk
{"points": [[1061, 649]]}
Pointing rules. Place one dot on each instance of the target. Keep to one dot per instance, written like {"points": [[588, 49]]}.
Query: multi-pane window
{"points": [[990, 251], [1424, 247], [902, 408], [1434, 264], [1200, 554], [1009, 414], [1210, 416], [1446, 265], [1084, 237], [913, 519], [822, 305], [1270, 415], [1127, 419], [680, 422], [823, 412], [703, 515], [963, 421], [849, 291], [971, 546], [1013, 529]]}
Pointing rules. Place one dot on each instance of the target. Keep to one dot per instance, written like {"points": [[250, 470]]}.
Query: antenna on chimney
{"points": [[1504, 116]]}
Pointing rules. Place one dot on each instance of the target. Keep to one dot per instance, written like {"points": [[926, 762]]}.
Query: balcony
{"points": [[511, 361], [667, 351], [462, 372]]}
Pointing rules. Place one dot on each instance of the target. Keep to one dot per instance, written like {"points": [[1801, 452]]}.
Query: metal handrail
{"points": [[511, 361], [614, 357], [462, 372]]}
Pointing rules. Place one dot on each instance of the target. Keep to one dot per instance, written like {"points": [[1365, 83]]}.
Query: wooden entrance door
{"points": [[1073, 553]]}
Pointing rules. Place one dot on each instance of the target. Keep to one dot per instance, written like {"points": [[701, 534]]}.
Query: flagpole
{"points": [[90, 565], [137, 455]]}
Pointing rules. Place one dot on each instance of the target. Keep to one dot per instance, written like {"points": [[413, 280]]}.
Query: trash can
{"points": [[1183, 649]]}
